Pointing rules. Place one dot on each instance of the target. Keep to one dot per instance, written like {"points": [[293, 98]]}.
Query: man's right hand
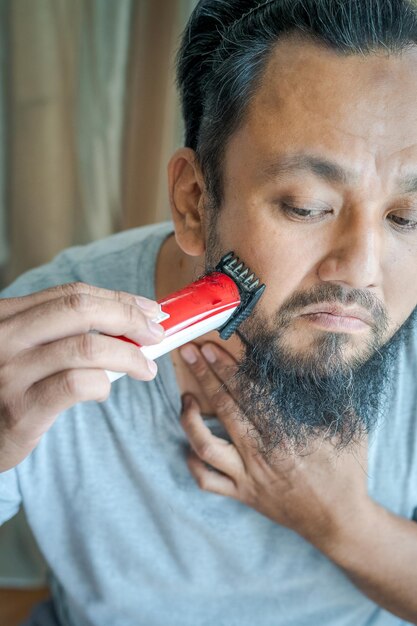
{"points": [[50, 359]]}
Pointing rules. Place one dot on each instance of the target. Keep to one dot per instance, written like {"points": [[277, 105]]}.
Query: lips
{"points": [[339, 311]]}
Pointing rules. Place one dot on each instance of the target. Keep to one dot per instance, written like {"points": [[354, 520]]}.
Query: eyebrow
{"points": [[329, 171], [409, 184]]}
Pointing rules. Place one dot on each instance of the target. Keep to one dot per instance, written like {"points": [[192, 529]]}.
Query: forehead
{"points": [[357, 108]]}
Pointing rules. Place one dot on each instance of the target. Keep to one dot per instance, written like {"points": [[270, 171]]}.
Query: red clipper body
{"points": [[220, 300]]}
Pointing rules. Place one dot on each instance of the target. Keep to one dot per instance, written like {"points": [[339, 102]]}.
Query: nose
{"points": [[354, 258]]}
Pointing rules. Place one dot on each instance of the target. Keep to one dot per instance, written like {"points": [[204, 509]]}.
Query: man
{"points": [[301, 156]]}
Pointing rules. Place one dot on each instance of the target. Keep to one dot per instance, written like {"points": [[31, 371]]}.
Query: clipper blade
{"points": [[250, 290]]}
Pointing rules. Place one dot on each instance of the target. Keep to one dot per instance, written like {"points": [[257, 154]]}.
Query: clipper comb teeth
{"points": [[249, 287]]}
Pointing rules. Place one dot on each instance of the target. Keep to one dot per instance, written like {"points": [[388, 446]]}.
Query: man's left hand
{"points": [[314, 492]]}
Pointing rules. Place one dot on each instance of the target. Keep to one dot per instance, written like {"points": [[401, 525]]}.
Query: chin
{"points": [[325, 352]]}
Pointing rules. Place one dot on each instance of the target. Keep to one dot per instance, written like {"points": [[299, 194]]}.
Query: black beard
{"points": [[294, 401], [292, 398]]}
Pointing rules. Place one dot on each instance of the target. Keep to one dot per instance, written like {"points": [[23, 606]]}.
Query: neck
{"points": [[175, 269]]}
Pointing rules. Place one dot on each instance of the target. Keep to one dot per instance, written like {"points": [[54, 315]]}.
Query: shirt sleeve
{"points": [[57, 272]]}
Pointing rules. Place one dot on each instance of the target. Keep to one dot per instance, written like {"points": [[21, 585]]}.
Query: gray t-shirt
{"points": [[130, 539]]}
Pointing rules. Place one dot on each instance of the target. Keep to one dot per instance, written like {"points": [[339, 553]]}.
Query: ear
{"points": [[186, 192]]}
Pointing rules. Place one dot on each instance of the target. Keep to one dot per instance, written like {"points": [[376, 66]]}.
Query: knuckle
{"points": [[200, 369], [72, 384], [76, 385], [70, 289], [131, 315], [78, 302], [89, 347], [206, 451], [120, 296], [223, 402]]}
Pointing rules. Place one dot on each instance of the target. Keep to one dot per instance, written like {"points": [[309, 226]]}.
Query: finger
{"points": [[209, 382], [74, 315], [213, 450], [216, 392], [221, 363], [50, 397], [210, 480], [13, 306], [220, 360], [89, 351]]}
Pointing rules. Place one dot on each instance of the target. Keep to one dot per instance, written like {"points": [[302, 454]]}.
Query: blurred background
{"points": [[88, 119]]}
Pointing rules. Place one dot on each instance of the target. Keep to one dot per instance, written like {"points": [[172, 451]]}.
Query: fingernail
{"points": [[189, 355], [148, 306], [156, 329], [209, 353], [152, 366]]}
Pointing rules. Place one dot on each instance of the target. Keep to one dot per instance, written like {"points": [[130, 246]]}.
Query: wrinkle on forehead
{"points": [[360, 109], [307, 74]]}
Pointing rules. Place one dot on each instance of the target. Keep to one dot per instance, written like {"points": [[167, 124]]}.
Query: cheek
{"points": [[283, 262]]}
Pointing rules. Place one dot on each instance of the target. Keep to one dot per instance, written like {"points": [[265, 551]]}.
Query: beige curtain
{"points": [[153, 129], [66, 108], [92, 116]]}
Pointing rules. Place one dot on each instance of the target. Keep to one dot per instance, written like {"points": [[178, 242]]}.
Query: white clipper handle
{"points": [[170, 342]]}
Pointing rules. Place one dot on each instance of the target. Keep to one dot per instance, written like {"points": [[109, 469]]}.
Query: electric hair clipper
{"points": [[221, 300]]}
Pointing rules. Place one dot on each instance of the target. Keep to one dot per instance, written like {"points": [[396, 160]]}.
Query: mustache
{"points": [[319, 294], [331, 294]]}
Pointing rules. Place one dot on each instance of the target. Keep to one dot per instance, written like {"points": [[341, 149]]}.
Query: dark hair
{"points": [[227, 43]]}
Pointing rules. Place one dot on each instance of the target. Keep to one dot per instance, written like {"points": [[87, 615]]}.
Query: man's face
{"points": [[320, 200]]}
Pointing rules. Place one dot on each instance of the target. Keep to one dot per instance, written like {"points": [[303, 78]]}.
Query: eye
{"points": [[304, 214], [407, 221]]}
